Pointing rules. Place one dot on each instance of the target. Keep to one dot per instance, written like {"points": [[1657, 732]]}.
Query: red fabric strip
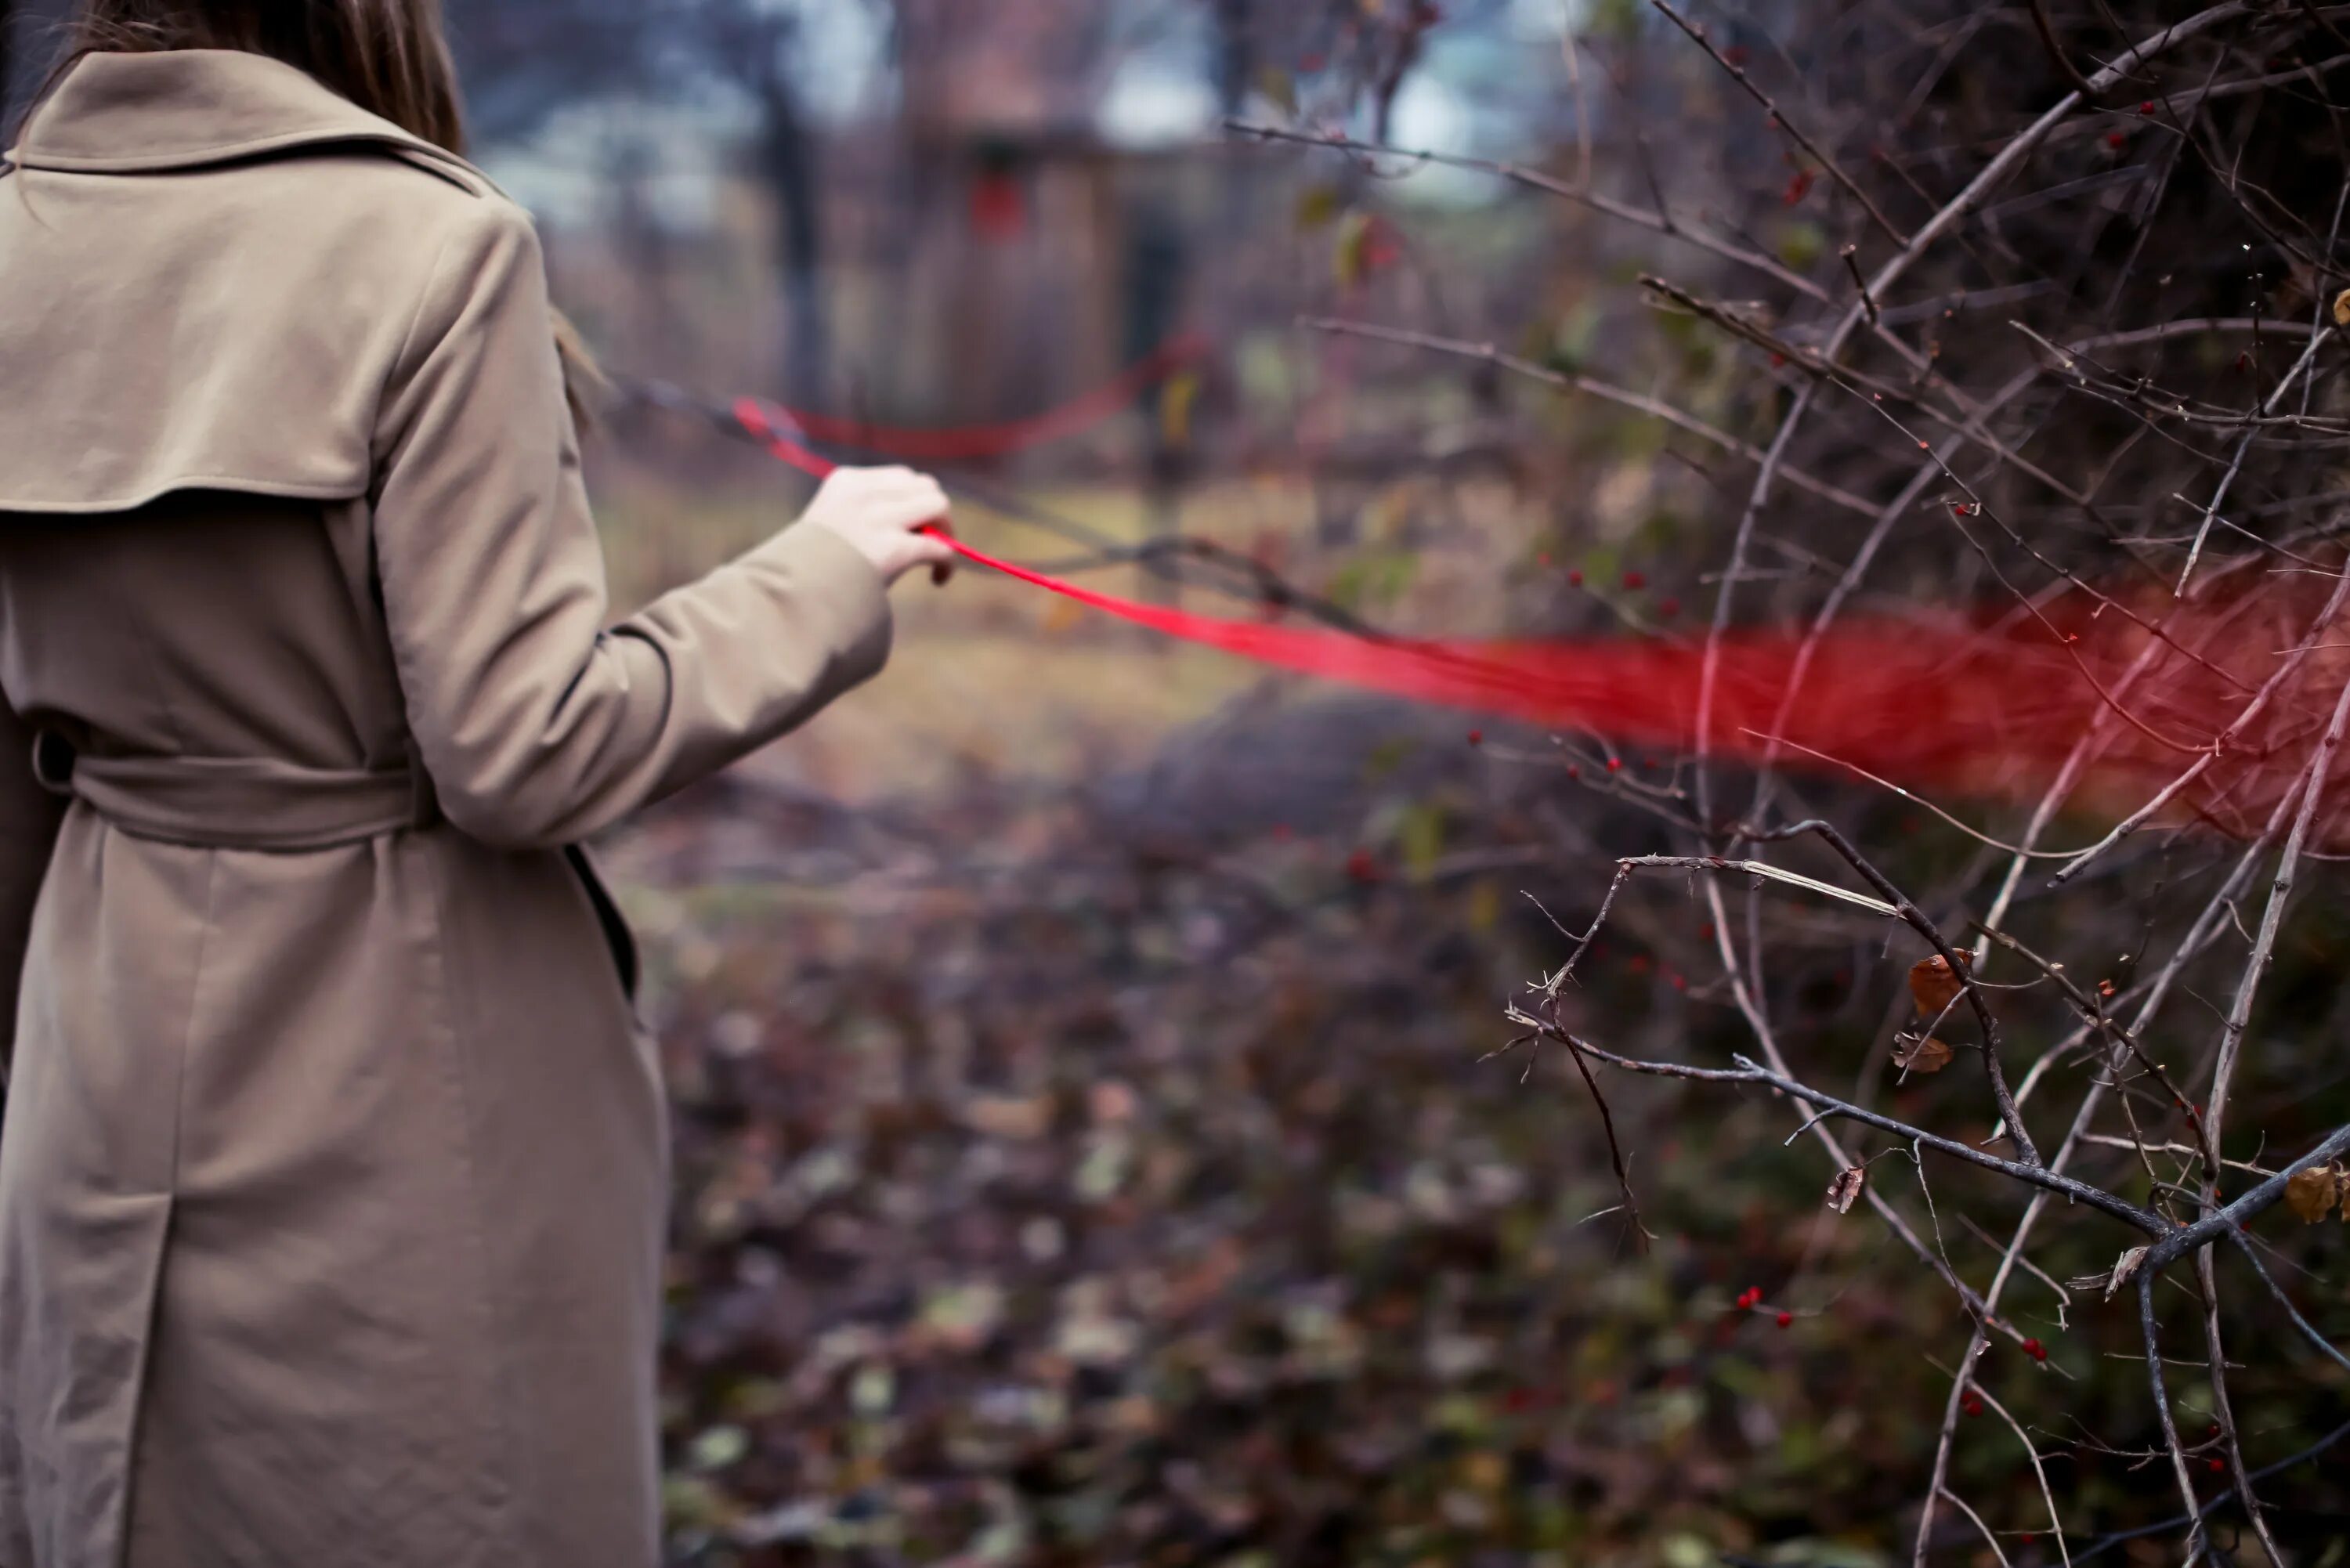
{"points": [[1933, 704], [973, 443]]}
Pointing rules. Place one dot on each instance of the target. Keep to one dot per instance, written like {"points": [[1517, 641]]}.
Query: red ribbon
{"points": [[1937, 703], [973, 443]]}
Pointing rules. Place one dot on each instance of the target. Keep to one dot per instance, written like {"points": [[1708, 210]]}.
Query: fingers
{"points": [[936, 554], [909, 498], [899, 518], [886, 485], [942, 532]]}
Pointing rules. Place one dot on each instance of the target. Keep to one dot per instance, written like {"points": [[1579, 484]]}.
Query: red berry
{"points": [[1476, 737], [2117, 141], [2034, 1349], [1973, 1406], [2146, 107], [1668, 609], [1573, 770], [1785, 1318], [1362, 868], [2218, 1464], [1574, 579], [1633, 582], [1614, 764]]}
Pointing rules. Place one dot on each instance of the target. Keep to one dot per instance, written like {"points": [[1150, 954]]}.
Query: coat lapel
{"points": [[193, 109]]}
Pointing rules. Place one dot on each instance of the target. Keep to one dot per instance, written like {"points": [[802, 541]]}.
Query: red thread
{"points": [[972, 443], [1946, 701]]}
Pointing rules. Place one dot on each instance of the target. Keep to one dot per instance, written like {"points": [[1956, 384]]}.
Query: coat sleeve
{"points": [[539, 724], [29, 816]]}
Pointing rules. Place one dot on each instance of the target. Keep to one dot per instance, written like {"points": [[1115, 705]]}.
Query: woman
{"points": [[332, 1178]]}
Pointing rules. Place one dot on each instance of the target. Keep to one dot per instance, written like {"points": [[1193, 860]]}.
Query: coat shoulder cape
{"points": [[134, 159]]}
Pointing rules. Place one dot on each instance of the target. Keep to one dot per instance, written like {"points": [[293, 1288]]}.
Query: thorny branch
{"points": [[2163, 428]]}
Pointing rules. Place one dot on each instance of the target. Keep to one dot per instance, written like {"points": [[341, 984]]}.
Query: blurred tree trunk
{"points": [[1236, 53], [1155, 269], [755, 45], [787, 163]]}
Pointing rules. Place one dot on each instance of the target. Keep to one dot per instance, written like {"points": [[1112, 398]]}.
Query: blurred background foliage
{"points": [[1087, 1147]]}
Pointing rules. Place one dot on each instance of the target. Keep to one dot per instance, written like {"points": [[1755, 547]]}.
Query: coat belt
{"points": [[236, 803]]}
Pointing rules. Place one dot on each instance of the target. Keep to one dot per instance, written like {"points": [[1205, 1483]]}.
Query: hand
{"points": [[882, 513]]}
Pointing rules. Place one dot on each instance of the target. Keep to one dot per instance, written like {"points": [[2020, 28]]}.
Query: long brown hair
{"points": [[388, 57]]}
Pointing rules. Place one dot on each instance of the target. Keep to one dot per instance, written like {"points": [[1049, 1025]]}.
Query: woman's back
{"points": [[205, 624], [333, 1168]]}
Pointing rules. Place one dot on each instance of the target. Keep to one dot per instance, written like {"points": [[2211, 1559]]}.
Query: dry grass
{"points": [[998, 677]]}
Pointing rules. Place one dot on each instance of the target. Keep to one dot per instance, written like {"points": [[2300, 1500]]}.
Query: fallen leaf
{"points": [[1007, 1116], [1933, 985], [2311, 1194], [1920, 1053], [1061, 616], [1845, 1188]]}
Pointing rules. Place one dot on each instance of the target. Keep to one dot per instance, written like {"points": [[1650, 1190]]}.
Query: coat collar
{"points": [[184, 109]]}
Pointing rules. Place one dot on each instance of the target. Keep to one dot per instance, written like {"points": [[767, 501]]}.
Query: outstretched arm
{"points": [[538, 724]]}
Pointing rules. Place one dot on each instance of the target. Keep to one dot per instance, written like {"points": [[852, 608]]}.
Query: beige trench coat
{"points": [[332, 1178]]}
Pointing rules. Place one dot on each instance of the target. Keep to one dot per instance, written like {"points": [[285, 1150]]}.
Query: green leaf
{"points": [[1421, 839], [718, 1447], [1280, 88], [1801, 243], [1318, 207], [1349, 263]]}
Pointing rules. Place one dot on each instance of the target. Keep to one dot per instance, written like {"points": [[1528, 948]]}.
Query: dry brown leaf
{"points": [[2310, 1193], [1920, 1053], [1845, 1188], [2125, 1270], [2342, 309], [1933, 985], [1009, 1117]]}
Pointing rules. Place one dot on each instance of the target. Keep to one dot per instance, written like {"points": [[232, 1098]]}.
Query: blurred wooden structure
{"points": [[1030, 259]]}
